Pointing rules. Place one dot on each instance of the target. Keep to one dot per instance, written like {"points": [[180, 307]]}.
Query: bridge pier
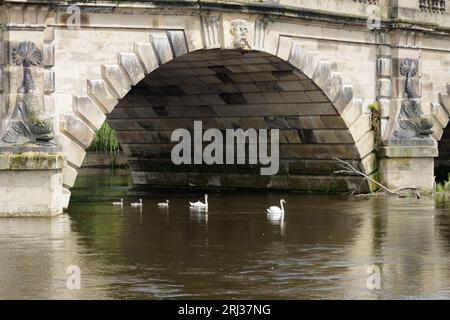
{"points": [[31, 184], [408, 166], [408, 146]]}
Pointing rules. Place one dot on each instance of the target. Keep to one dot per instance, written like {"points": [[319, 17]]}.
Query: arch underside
{"points": [[230, 89], [440, 115]]}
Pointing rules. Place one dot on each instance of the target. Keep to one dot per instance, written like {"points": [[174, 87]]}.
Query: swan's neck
{"points": [[282, 207], [206, 200]]}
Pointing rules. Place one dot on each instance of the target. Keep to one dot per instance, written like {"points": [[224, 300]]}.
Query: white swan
{"points": [[137, 204], [118, 203], [275, 213], [164, 204], [200, 204]]}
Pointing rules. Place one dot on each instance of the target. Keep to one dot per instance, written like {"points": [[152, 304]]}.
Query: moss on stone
{"points": [[32, 161]]}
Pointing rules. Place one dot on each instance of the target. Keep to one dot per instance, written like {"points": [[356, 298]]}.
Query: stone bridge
{"points": [[364, 81]]}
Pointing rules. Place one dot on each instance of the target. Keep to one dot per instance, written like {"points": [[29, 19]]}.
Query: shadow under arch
{"points": [[314, 110]]}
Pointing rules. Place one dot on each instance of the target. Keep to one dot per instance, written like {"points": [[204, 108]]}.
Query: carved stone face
{"points": [[239, 31]]}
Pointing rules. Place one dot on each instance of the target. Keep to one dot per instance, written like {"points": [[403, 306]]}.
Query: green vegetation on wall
{"points": [[376, 122], [105, 140], [443, 186]]}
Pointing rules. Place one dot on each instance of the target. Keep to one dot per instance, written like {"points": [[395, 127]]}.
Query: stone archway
{"points": [[328, 124]]}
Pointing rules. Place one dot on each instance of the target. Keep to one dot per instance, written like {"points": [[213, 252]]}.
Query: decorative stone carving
{"points": [[239, 32], [29, 124], [432, 6], [412, 123]]}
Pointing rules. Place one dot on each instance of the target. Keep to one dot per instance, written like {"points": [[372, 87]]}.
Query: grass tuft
{"points": [[105, 140], [443, 186]]}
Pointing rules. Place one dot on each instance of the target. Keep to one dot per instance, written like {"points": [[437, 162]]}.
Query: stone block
{"points": [[32, 161], [333, 85], [333, 122], [273, 97], [343, 97], [296, 53], [317, 96], [116, 79], [444, 100], [49, 81], [3, 52], [132, 67], [73, 152], [48, 55], [322, 73], [366, 144], [410, 151], [161, 47], [88, 110], [332, 136], [177, 42], [439, 114], [284, 48], [369, 163], [291, 85], [309, 63], [41, 197], [384, 87], [295, 96], [65, 198], [98, 90], [146, 55], [76, 129], [69, 176], [3, 80], [360, 127], [437, 129], [413, 172], [385, 107], [384, 67], [41, 173]]}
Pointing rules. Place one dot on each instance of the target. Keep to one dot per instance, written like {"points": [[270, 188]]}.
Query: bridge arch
{"points": [[166, 83]]}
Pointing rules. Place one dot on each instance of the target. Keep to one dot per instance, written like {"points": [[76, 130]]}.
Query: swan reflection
{"points": [[278, 224], [198, 215]]}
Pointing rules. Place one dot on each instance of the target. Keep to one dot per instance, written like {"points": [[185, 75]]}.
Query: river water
{"points": [[323, 249]]}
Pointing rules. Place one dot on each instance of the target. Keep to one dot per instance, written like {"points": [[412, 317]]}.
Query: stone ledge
{"points": [[32, 161], [409, 152]]}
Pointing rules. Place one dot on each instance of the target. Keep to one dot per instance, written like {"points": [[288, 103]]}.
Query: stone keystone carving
{"points": [[412, 122], [28, 123], [239, 31]]}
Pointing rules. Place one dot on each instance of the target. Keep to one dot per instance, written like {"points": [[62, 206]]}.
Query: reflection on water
{"points": [[321, 249]]}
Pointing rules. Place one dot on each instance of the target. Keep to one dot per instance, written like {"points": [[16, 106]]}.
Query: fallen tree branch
{"points": [[349, 169]]}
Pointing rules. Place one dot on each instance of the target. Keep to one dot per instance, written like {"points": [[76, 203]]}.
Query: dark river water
{"points": [[322, 250]]}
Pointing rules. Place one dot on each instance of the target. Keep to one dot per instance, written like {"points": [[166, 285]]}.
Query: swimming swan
{"points": [[137, 204], [118, 203], [164, 204], [200, 204], [275, 213]]}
